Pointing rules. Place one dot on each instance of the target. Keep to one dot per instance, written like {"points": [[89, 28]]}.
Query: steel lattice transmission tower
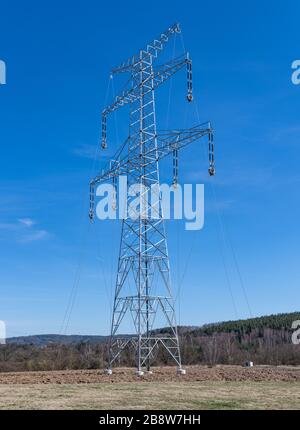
{"points": [[143, 255]]}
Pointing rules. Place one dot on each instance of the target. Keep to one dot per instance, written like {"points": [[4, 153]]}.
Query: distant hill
{"points": [[263, 340], [48, 339], [275, 322]]}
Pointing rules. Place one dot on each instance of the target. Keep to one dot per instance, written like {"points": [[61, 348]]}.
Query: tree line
{"points": [[264, 340]]}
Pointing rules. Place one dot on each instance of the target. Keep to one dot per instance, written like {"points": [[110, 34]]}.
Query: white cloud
{"points": [[35, 236], [86, 151], [28, 222], [24, 230], [7, 226], [288, 135]]}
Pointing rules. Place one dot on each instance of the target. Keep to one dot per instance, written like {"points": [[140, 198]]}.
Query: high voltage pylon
{"points": [[143, 254]]}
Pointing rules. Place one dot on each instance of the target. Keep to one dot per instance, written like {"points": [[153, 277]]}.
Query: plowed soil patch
{"points": [[161, 374]]}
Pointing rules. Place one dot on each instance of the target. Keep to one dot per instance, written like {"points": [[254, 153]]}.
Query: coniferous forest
{"points": [[263, 340]]}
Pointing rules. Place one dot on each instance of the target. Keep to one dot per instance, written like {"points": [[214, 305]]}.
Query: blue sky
{"points": [[58, 57]]}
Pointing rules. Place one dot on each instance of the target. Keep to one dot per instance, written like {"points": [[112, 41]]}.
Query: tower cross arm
{"points": [[167, 142], [159, 75], [153, 49]]}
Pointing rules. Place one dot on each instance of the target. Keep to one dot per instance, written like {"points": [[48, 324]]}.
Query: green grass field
{"points": [[200, 395]]}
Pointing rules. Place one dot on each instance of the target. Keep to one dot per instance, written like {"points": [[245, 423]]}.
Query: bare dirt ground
{"points": [[160, 374], [220, 387]]}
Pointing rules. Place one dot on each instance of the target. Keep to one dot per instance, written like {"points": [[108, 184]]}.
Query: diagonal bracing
{"points": [[143, 254]]}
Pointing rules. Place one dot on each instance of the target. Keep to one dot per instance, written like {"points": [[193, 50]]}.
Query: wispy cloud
{"points": [[289, 135], [220, 205], [8, 226], [28, 222], [86, 151], [238, 176], [93, 152], [24, 230], [35, 236]]}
